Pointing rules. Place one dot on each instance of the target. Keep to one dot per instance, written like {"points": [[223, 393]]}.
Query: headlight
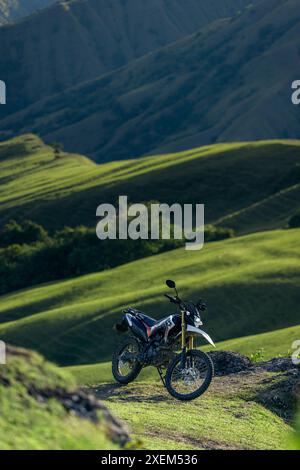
{"points": [[197, 322]]}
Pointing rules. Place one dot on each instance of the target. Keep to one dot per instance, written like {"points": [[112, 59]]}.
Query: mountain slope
{"points": [[231, 81], [75, 41], [11, 10], [251, 284], [37, 185]]}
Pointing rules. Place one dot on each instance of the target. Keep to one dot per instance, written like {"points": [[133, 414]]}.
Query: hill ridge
{"points": [[75, 41], [208, 88], [221, 175]]}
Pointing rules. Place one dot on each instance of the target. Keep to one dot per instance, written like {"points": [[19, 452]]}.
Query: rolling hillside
{"points": [[12, 10], [230, 81], [247, 186], [75, 41], [251, 285]]}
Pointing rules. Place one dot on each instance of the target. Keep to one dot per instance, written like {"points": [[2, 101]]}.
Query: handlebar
{"points": [[173, 300]]}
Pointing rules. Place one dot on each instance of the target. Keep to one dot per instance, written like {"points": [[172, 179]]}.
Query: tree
{"points": [[15, 233]]}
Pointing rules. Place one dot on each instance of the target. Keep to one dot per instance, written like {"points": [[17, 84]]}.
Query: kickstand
{"points": [[159, 370]]}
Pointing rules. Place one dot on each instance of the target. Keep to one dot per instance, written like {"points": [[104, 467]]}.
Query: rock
{"points": [[86, 406], [278, 364], [283, 395], [228, 362]]}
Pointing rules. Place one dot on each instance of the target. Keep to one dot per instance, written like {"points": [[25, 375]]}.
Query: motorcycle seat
{"points": [[148, 320], [145, 318]]}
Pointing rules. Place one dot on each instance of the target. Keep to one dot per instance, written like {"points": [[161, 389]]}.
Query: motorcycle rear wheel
{"points": [[191, 381], [125, 366]]}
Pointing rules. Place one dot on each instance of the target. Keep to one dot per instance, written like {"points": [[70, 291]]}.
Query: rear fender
{"points": [[125, 324]]}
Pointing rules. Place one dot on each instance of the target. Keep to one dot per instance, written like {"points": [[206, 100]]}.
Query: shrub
{"points": [[30, 256], [213, 233], [21, 233], [258, 356]]}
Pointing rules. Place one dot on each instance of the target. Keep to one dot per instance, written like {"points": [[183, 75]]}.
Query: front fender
{"points": [[197, 331]]}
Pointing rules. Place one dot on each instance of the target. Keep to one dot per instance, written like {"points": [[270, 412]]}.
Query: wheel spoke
{"points": [[127, 359], [188, 379]]}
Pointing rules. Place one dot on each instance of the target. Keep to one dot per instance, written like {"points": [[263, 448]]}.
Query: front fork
{"points": [[183, 340], [183, 347]]}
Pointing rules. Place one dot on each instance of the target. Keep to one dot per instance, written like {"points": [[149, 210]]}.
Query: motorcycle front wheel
{"points": [[189, 380], [125, 365]]}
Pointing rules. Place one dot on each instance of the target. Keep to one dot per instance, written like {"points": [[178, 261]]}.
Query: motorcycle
{"points": [[186, 375]]}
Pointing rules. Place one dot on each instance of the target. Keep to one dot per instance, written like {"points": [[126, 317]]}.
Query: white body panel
{"points": [[199, 332]]}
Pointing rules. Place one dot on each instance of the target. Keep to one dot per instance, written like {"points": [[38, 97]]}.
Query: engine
{"points": [[158, 352]]}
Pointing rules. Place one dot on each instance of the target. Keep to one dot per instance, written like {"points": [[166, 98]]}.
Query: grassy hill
{"points": [[42, 410], [230, 81], [11, 10], [251, 285], [75, 41], [247, 186]]}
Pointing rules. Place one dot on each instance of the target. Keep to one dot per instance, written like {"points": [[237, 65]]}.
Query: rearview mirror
{"points": [[171, 284]]}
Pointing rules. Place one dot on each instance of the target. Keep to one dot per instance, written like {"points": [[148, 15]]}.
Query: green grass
{"points": [[251, 284], [29, 424], [295, 436], [94, 374], [67, 190], [212, 421], [274, 344], [228, 416]]}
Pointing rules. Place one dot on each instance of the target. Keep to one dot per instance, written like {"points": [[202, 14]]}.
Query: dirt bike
{"points": [[186, 375]]}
